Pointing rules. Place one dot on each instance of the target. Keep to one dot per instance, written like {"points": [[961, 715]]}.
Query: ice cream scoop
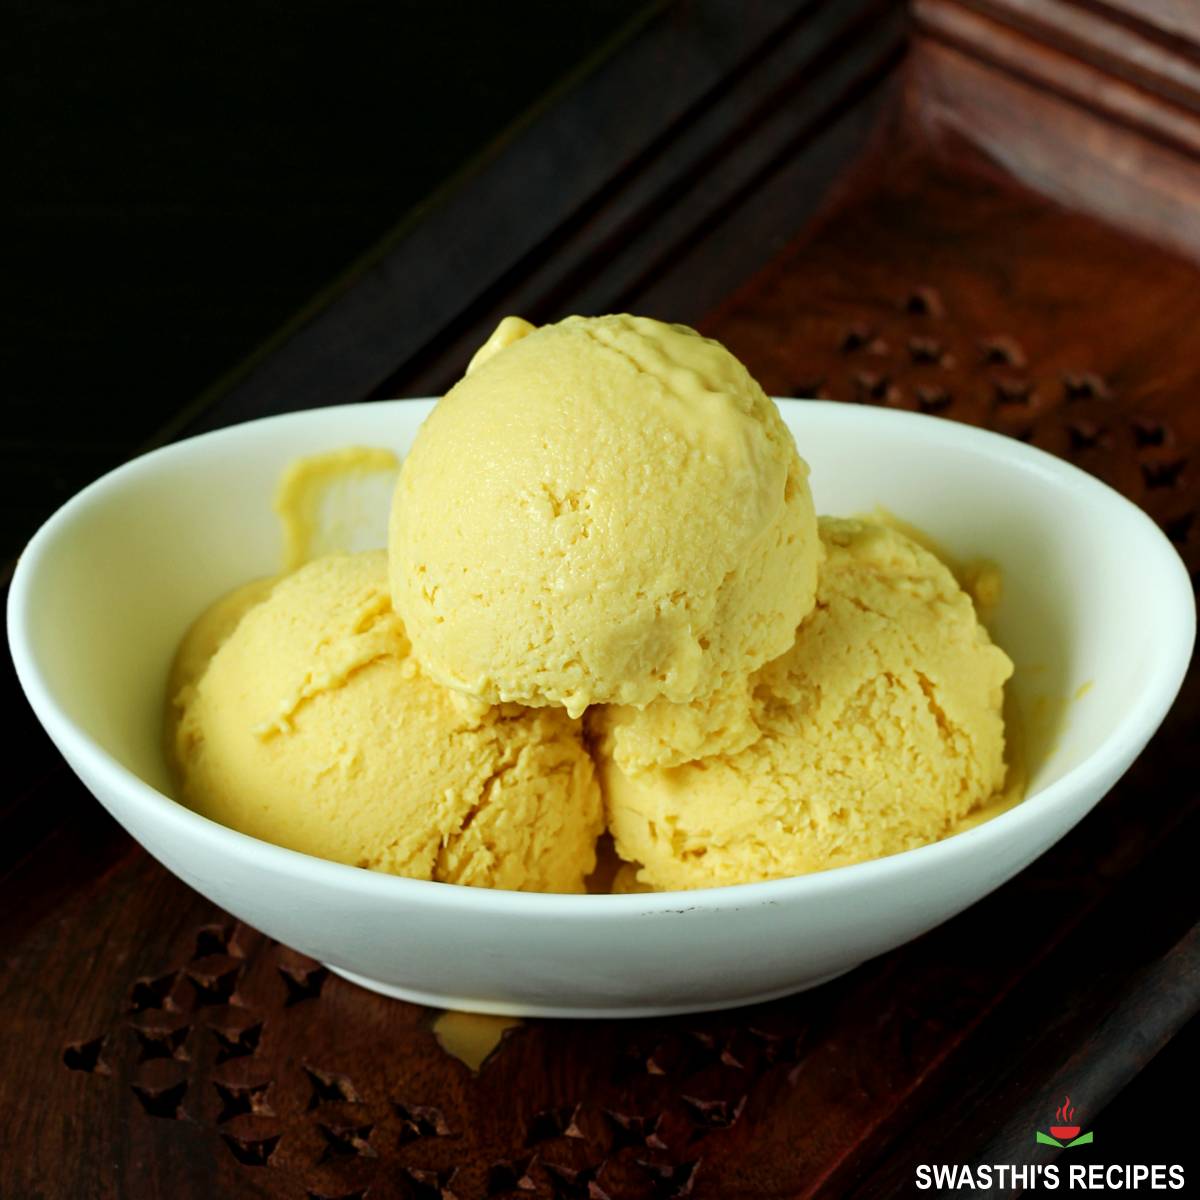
{"points": [[605, 510], [663, 734], [877, 731], [305, 721]]}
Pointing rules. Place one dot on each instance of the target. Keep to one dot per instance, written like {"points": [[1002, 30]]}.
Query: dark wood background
{"points": [[985, 209], [181, 181]]}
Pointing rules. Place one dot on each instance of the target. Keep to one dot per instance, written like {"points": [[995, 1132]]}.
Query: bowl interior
{"points": [[1089, 599], [135, 559], [1081, 570]]}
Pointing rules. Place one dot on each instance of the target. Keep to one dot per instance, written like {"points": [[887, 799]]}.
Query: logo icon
{"points": [[1065, 1132]]}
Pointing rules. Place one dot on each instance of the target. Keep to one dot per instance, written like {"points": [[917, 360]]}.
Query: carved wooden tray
{"points": [[986, 210]]}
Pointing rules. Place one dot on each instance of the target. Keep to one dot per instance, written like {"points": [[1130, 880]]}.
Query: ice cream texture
{"points": [[877, 731], [301, 717], [604, 510], [606, 514]]}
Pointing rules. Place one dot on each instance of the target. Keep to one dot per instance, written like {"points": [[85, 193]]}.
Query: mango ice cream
{"points": [[606, 601], [606, 510], [305, 720], [876, 732]]}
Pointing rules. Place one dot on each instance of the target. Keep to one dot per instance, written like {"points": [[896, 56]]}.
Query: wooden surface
{"points": [[850, 245], [1098, 113]]}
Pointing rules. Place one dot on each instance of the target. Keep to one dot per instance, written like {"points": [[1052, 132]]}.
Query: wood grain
{"points": [[719, 89], [153, 1047], [1114, 132], [1121, 40]]}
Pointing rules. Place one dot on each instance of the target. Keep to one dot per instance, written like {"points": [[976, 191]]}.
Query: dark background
{"points": [[182, 179]]}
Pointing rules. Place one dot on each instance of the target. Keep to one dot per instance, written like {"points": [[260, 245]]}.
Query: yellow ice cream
{"points": [[605, 510], [308, 723], [878, 731], [667, 735]]}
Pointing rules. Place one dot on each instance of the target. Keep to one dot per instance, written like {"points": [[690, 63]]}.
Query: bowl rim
{"points": [[178, 822]]}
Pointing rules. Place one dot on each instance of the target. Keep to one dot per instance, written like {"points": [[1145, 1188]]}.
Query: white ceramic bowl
{"points": [[1093, 594]]}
